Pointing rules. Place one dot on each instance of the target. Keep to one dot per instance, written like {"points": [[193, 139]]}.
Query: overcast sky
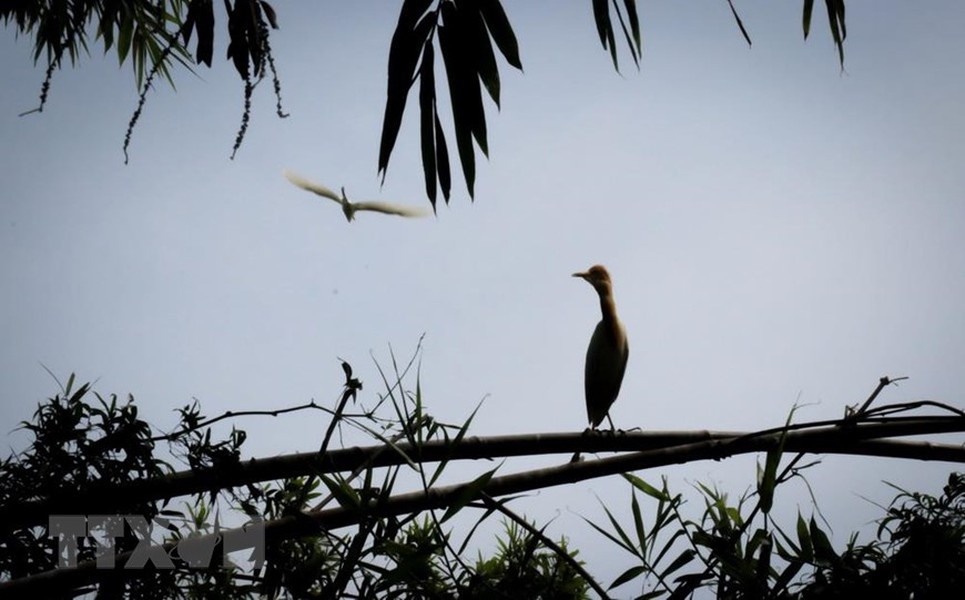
{"points": [[778, 232]]}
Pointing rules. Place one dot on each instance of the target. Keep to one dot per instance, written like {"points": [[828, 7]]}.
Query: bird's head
{"points": [[347, 207], [597, 276]]}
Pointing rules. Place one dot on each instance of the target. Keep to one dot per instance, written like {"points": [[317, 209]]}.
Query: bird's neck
{"points": [[608, 307]]}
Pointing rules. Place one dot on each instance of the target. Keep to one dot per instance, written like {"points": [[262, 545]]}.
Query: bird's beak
{"points": [[583, 275]]}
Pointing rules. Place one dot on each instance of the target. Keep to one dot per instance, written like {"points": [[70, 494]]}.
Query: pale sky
{"points": [[778, 232]]}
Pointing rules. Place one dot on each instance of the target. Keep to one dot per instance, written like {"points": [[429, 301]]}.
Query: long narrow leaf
{"points": [[483, 52], [203, 14], [633, 17], [804, 537], [407, 42], [501, 31], [469, 78], [601, 15], [638, 525], [616, 527], [610, 536], [646, 488], [836, 22], [442, 160], [427, 117], [823, 550], [628, 575], [682, 560], [626, 34], [455, 60], [468, 493], [344, 494], [740, 23]]}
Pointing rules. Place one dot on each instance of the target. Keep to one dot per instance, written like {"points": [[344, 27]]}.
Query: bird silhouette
{"points": [[350, 208], [607, 354]]}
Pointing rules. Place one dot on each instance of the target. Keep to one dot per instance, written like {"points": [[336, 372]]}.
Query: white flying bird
{"points": [[350, 208]]}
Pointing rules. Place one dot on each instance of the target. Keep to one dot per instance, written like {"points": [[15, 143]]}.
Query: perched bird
{"points": [[606, 357], [350, 208]]}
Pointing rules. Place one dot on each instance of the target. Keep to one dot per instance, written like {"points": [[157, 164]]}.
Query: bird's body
{"points": [[350, 208], [607, 354]]}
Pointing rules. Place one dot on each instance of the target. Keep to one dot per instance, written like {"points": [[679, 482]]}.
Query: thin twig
{"points": [[882, 384], [246, 413]]}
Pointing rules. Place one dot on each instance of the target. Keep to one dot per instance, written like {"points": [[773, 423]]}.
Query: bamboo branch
{"points": [[107, 499], [819, 441]]}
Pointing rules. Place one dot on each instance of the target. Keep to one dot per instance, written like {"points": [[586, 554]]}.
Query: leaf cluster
{"points": [[467, 31], [337, 525], [736, 550], [467, 34], [81, 446], [80, 440]]}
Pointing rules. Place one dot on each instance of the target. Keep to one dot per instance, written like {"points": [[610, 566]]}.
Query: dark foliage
{"points": [[469, 33]]}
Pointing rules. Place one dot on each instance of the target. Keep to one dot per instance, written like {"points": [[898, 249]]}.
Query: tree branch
{"points": [[672, 447]]}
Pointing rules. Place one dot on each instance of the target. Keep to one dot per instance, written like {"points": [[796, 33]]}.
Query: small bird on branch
{"points": [[350, 208], [606, 357]]}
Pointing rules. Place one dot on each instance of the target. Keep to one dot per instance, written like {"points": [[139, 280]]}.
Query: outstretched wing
{"points": [[311, 186], [392, 209]]}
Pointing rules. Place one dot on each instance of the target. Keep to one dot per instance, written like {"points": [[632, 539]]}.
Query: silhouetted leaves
{"points": [[501, 31], [467, 30], [604, 28], [427, 121], [410, 37], [200, 18], [838, 29], [835, 21], [740, 24]]}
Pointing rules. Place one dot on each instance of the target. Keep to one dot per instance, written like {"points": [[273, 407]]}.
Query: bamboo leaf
{"points": [[836, 22], [767, 480], [483, 51], [806, 19], [124, 37], [201, 14], [804, 537], [408, 40], [269, 14], [646, 488], [604, 28], [457, 73], [633, 17], [628, 575], [627, 35], [668, 545], [740, 23], [468, 493], [616, 527], [638, 524], [682, 559], [442, 161], [823, 550], [609, 536], [427, 116], [601, 15], [344, 494], [501, 31]]}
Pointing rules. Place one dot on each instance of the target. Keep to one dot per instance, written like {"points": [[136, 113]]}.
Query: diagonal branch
{"points": [[858, 440], [670, 447]]}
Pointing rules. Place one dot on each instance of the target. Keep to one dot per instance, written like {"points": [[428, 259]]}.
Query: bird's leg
{"points": [[586, 432], [613, 430]]}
